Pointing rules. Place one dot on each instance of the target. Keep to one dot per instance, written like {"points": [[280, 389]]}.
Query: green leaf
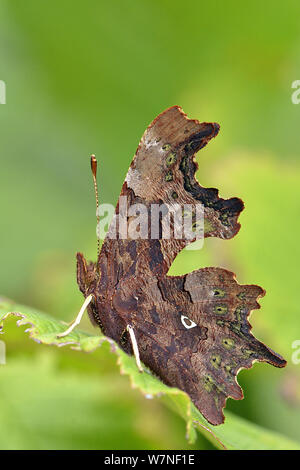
{"points": [[236, 433]]}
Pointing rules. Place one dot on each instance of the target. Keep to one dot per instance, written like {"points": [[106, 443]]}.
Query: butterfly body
{"points": [[192, 330]]}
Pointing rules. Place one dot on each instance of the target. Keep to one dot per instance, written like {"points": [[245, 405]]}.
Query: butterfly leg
{"points": [[135, 348], [78, 318]]}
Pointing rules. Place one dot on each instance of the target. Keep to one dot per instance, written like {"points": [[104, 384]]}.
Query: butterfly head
{"points": [[87, 275]]}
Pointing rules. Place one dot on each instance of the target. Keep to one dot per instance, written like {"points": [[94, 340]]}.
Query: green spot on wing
{"points": [[218, 292], [171, 159], [169, 176], [221, 309], [215, 361]]}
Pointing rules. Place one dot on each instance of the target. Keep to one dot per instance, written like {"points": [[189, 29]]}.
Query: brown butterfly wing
{"points": [[131, 286], [204, 360], [163, 171]]}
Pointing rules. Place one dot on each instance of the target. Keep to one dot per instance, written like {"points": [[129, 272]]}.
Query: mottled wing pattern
{"points": [[193, 330], [163, 171], [203, 335]]}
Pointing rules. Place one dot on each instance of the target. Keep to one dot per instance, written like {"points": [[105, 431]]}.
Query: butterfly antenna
{"points": [[94, 173]]}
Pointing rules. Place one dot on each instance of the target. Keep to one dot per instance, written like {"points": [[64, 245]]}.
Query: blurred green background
{"points": [[88, 77]]}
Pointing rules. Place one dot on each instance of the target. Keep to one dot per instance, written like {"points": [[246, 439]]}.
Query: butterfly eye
{"points": [[187, 323]]}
